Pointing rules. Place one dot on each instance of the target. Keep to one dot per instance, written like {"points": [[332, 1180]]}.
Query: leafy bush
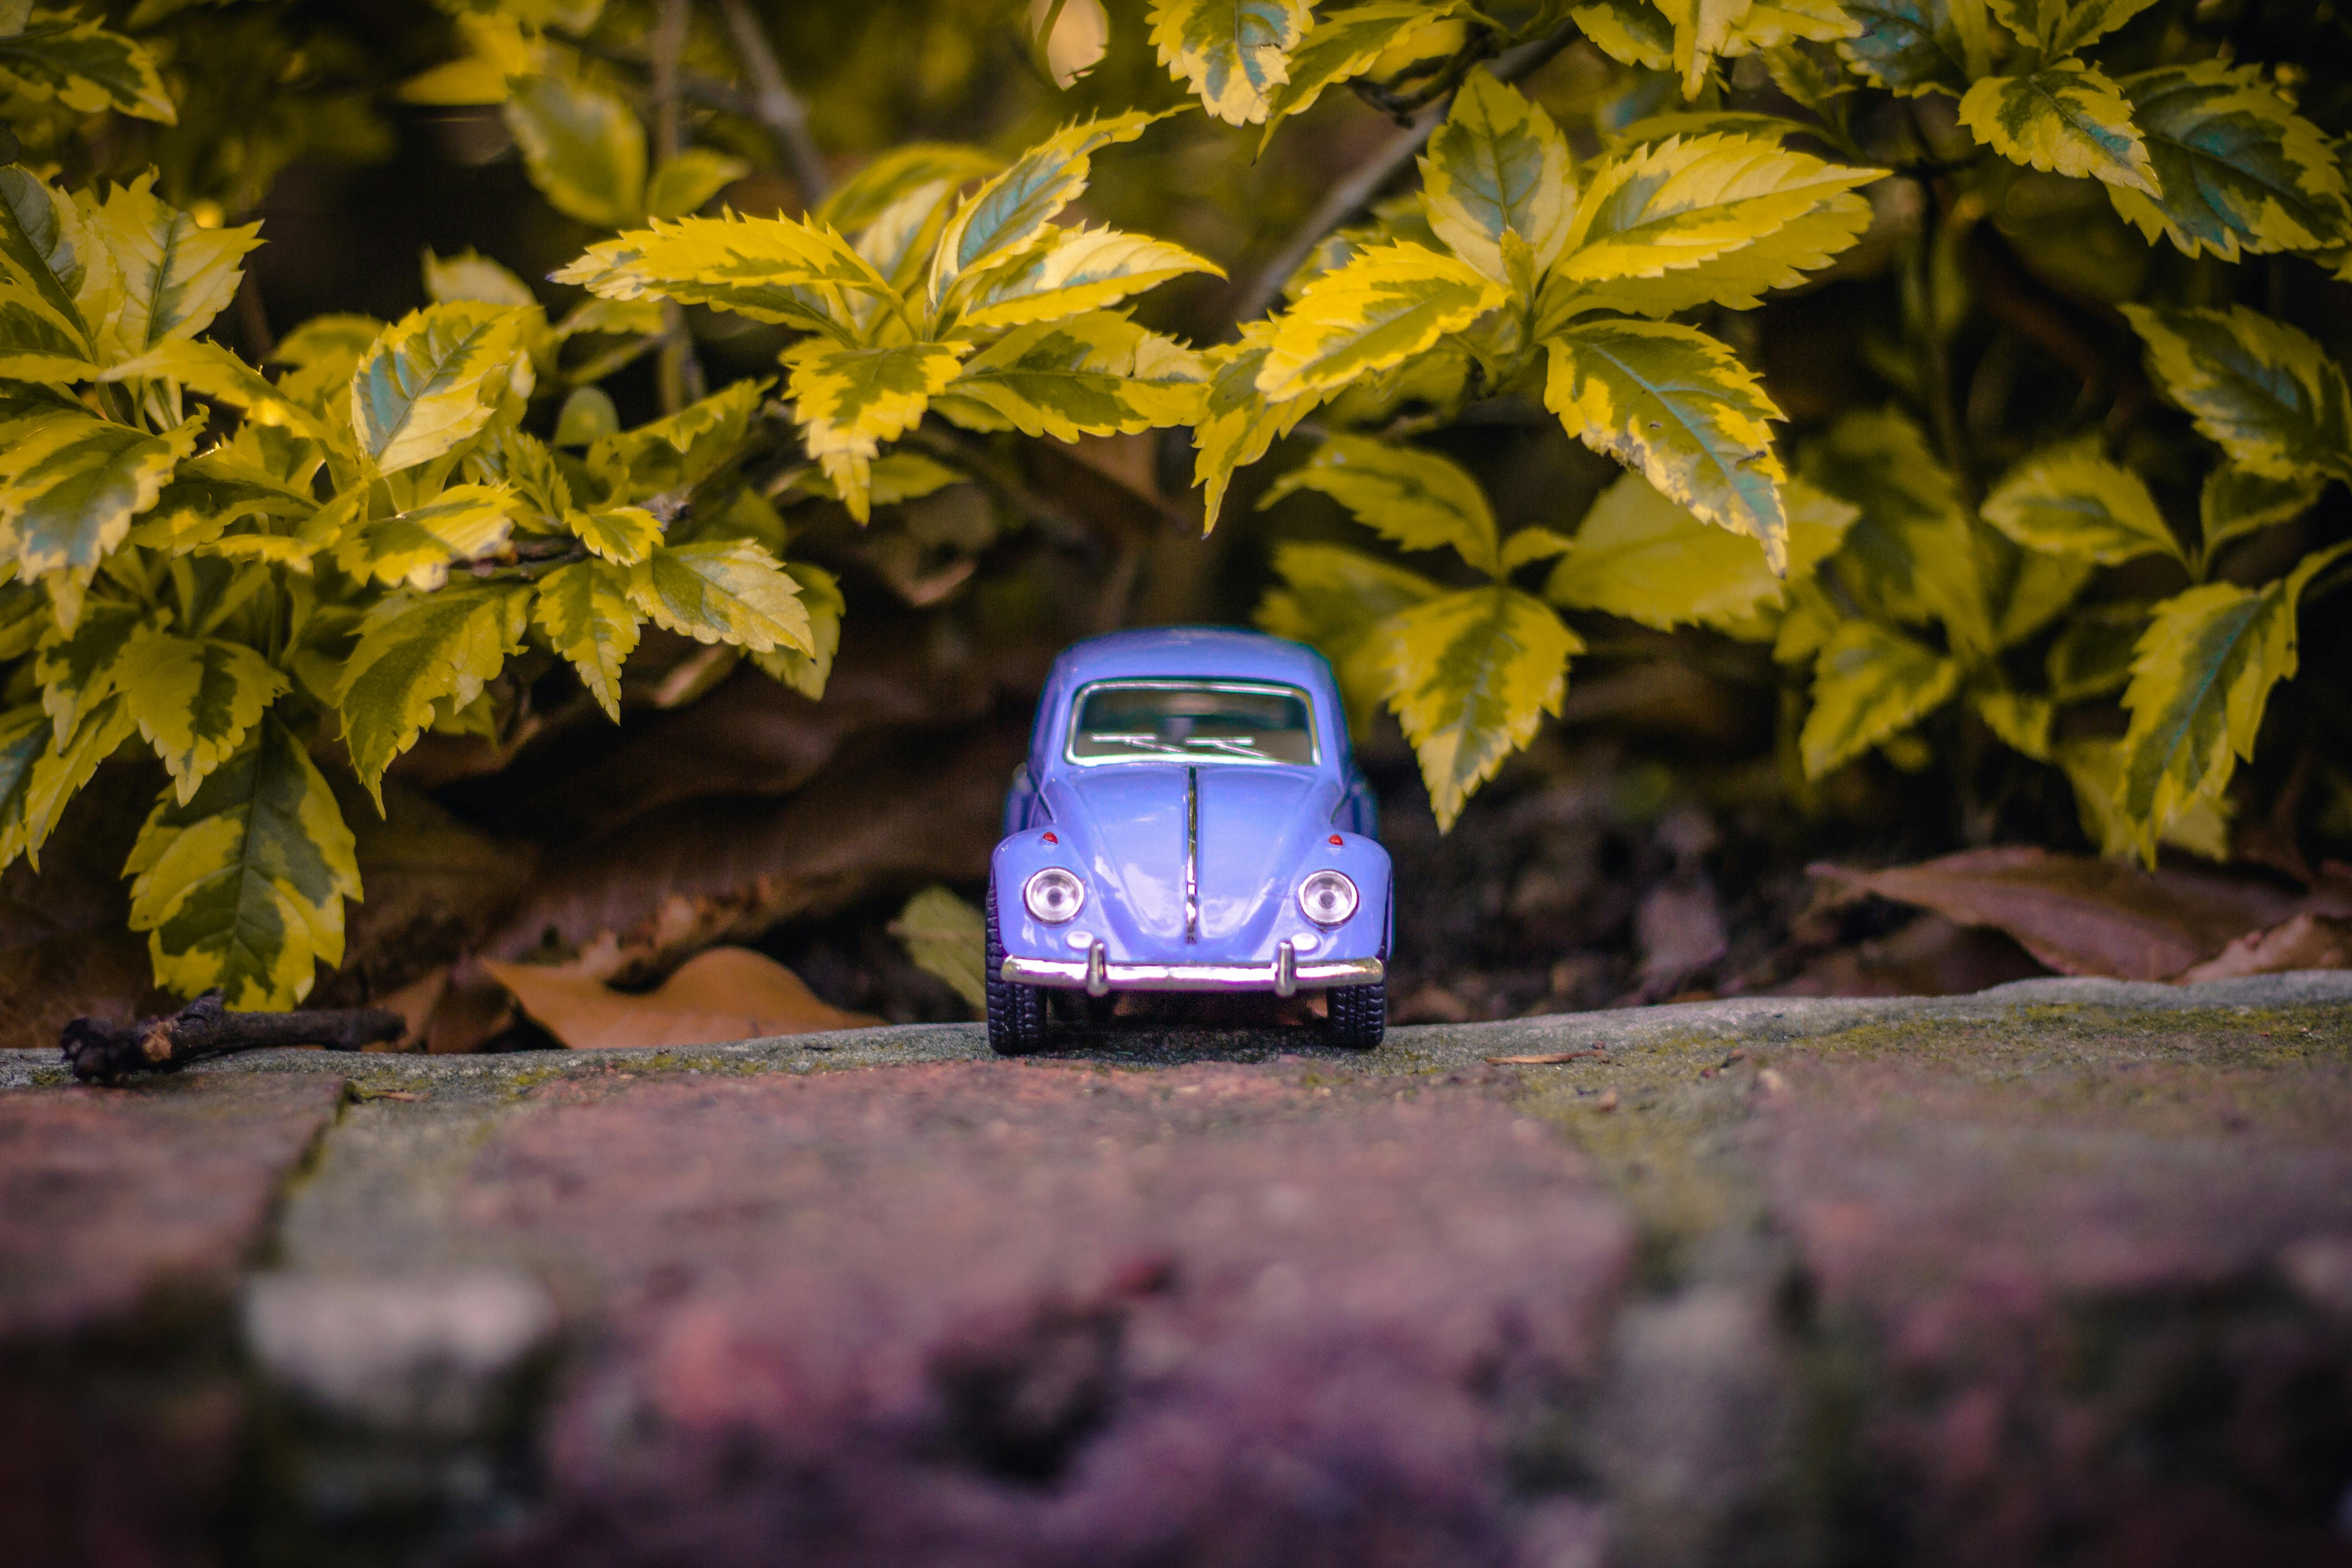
{"points": [[269, 565]]}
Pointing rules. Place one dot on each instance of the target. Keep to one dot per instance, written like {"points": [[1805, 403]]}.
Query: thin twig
{"points": [[1357, 191], [102, 1050], [776, 105]]}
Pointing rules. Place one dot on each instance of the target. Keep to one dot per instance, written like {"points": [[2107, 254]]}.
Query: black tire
{"points": [[1357, 1016], [1016, 1012]]}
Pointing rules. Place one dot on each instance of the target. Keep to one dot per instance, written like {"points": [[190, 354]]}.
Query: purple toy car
{"points": [[1190, 819]]}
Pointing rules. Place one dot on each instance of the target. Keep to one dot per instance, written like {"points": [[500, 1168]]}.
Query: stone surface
{"points": [[2057, 1274]]}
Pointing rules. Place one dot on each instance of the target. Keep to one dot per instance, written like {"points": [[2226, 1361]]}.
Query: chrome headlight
{"points": [[1328, 898], [1053, 895]]}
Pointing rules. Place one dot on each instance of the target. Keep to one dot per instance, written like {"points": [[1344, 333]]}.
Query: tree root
{"points": [[102, 1050]]}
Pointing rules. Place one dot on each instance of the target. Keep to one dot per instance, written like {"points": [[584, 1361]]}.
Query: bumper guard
{"points": [[1098, 977]]}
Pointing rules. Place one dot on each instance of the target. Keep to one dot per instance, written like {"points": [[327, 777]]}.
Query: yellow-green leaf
{"points": [[1870, 684], [584, 610], [891, 176], [1096, 375], [1470, 675], [1341, 45], [464, 522], [2061, 27], [1498, 166], [948, 937], [1386, 304], [1913, 554], [212, 370], [77, 668], [2238, 168], [672, 454], [2067, 118], [416, 650], [71, 484], [432, 380], [776, 269], [170, 276], [1679, 408], [729, 592], [2261, 389], [1631, 32], [2092, 656], [2234, 503], [1234, 53], [25, 739], [622, 535], [1420, 499], [1237, 424], [1639, 556], [1701, 29], [686, 181], [1908, 47], [2024, 589], [44, 233], [1070, 270], [850, 400], [1014, 206], [807, 673], [194, 699], [38, 341], [84, 67], [2201, 677], [58, 775], [583, 146], [241, 888], [2071, 500], [470, 274], [2022, 720], [1335, 600]]}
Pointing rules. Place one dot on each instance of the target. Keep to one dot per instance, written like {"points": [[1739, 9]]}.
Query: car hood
{"points": [[1257, 828]]}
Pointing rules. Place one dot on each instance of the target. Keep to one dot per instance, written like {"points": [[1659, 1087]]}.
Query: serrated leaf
{"points": [[585, 612], [1096, 375], [2024, 589], [1335, 599], [1870, 684], [1386, 304], [729, 592], [208, 368], [2022, 720], [684, 182], [76, 668], [1679, 204], [1629, 32], [680, 451], [1237, 424], [2068, 119], [899, 243], [849, 401], [470, 274], [432, 380], [2260, 389], [37, 341], [1701, 29], [1776, 23], [1739, 280], [583, 146], [2234, 503], [416, 650], [2239, 169], [622, 535], [1069, 271], [241, 888], [2071, 500], [322, 353], [1679, 408], [194, 699], [1418, 499], [24, 739], [44, 233], [464, 522], [1341, 45], [1498, 166], [1639, 556], [57, 775], [1908, 47], [807, 673], [2061, 27], [1529, 546], [776, 269], [2201, 676], [2092, 656], [71, 484], [85, 66], [888, 177], [1912, 555], [169, 275], [1234, 53], [1470, 675], [1014, 206]]}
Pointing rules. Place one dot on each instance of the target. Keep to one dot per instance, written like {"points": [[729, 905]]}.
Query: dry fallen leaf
{"points": [[2306, 942], [725, 994], [2085, 916], [1554, 1060]]}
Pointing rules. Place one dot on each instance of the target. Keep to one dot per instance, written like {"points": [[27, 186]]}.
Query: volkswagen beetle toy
{"points": [[1190, 819]]}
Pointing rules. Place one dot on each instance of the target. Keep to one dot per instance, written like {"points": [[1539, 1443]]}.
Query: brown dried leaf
{"points": [[727, 993], [2084, 916], [2306, 942]]}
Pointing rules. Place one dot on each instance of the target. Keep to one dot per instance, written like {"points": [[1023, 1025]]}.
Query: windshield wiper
{"points": [[1234, 745], [1142, 743]]}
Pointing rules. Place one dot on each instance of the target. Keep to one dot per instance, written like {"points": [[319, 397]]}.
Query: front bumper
{"points": [[1286, 977]]}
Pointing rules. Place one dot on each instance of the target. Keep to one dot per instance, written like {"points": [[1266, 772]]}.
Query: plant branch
{"points": [[680, 374], [102, 1050], [776, 105], [1358, 191]]}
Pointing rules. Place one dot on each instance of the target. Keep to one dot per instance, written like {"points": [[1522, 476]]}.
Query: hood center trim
{"points": [[1191, 854]]}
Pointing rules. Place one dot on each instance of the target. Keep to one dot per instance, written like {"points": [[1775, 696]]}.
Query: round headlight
{"points": [[1327, 897], [1053, 895]]}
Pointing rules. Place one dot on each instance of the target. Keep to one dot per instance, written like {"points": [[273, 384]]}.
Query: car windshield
{"points": [[1201, 721]]}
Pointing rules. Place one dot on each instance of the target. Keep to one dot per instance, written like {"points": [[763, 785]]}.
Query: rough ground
{"points": [[2058, 1274]]}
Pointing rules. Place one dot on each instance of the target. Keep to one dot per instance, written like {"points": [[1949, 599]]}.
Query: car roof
{"points": [[1213, 652]]}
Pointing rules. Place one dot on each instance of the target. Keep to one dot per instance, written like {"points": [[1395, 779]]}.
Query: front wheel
{"points": [[1016, 1012], [1357, 1016]]}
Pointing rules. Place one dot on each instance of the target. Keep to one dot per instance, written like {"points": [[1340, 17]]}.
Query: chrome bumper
{"points": [[1286, 977]]}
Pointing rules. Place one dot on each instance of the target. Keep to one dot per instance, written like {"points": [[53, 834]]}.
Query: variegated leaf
{"points": [[1334, 600], [2238, 168], [1343, 46], [1498, 167], [464, 522], [585, 612], [84, 66], [169, 276], [728, 591], [1639, 556], [2067, 118], [1237, 424], [1234, 53], [1386, 304], [850, 400], [1470, 675], [1096, 375], [2234, 503], [1418, 499], [71, 484], [1070, 270], [583, 146], [432, 380], [1908, 47], [194, 699], [416, 650], [1870, 684], [1013, 207], [2071, 500], [2260, 388]]}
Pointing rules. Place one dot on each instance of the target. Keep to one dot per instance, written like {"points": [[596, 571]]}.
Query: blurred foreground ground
{"points": [[2060, 1274]]}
